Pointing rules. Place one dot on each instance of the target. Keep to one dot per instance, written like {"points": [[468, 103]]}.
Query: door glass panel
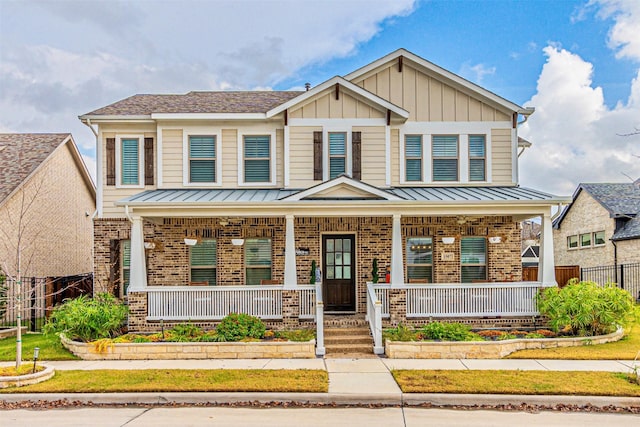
{"points": [[338, 272], [338, 245], [347, 272], [329, 245], [330, 259], [346, 258], [339, 258], [330, 274], [347, 245]]}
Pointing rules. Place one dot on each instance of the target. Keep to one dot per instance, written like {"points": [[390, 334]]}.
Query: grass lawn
{"points": [[185, 380], [625, 349], [516, 382], [50, 348]]}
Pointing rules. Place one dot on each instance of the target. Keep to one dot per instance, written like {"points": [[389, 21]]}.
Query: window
{"points": [[585, 240], [572, 242], [202, 159], [413, 157], [125, 265], [257, 260], [203, 261], [598, 238], [477, 158], [337, 154], [473, 259], [419, 259], [257, 158], [130, 161], [445, 157]]}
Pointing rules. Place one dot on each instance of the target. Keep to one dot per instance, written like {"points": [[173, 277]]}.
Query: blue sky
{"points": [[577, 62]]}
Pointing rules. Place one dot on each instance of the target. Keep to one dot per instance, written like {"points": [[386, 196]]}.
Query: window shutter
{"points": [[356, 140], [111, 161], [148, 161], [317, 156], [114, 265]]}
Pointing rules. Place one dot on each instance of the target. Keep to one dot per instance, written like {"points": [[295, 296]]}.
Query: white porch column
{"points": [[546, 265], [290, 272], [397, 267], [138, 268]]}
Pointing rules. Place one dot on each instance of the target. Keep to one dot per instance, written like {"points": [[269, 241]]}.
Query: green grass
{"points": [[517, 382], [181, 380], [625, 349], [50, 348]]}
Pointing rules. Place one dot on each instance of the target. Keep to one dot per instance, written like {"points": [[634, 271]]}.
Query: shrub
{"points": [[88, 319], [298, 335], [400, 333], [448, 332], [238, 326], [183, 332], [585, 308]]}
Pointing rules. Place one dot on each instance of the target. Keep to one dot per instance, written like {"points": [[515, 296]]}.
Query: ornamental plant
{"points": [[239, 326], [88, 319], [442, 331], [585, 308]]}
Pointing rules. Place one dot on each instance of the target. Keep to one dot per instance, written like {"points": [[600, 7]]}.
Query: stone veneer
{"points": [[485, 349], [168, 263]]}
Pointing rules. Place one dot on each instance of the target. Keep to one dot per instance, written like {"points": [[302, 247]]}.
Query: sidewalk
{"points": [[351, 381]]}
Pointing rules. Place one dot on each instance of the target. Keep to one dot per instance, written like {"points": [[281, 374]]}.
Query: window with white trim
{"points": [[473, 259], [202, 158], [257, 260], [445, 157], [477, 158], [203, 261], [413, 157], [598, 238], [585, 240], [130, 161], [257, 158], [419, 259], [337, 154], [572, 242]]}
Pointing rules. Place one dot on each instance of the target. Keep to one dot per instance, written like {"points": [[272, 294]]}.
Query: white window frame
{"points": [[577, 242], [404, 150], [593, 239], [140, 138], [272, 157], [348, 160], [201, 131], [580, 245], [469, 158]]}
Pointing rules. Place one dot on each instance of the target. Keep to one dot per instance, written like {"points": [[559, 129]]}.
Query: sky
{"points": [[576, 62]]}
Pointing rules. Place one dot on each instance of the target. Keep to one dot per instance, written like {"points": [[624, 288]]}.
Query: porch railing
{"points": [[307, 301], [374, 316], [472, 299], [320, 350]]}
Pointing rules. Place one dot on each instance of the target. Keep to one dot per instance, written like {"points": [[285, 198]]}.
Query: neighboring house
{"points": [[600, 227], [531, 256], [46, 201], [399, 161]]}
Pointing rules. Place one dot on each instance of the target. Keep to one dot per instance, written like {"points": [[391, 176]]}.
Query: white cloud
{"points": [[624, 36], [477, 72], [575, 135]]}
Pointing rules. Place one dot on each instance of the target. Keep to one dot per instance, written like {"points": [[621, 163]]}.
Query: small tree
{"points": [[374, 271], [312, 276]]}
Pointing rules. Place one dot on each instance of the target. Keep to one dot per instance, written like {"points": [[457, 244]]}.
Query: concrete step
{"points": [[329, 332], [349, 349], [348, 339]]}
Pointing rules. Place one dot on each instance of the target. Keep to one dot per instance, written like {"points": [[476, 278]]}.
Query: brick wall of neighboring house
{"points": [[585, 216], [57, 205], [168, 263], [628, 251]]}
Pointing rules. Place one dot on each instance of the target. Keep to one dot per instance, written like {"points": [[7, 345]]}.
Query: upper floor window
{"points": [[445, 157], [477, 158], [202, 158], [598, 238], [572, 242], [419, 260], [203, 262], [413, 157], [257, 260], [473, 259], [585, 240], [337, 154], [257, 158], [130, 161]]}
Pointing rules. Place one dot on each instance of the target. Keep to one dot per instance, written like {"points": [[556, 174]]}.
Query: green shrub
{"points": [[448, 332], [88, 319], [298, 335], [400, 333], [183, 332], [585, 308], [239, 326]]}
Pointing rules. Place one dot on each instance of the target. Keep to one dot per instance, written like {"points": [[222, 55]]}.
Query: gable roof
{"points": [[358, 189], [445, 75], [21, 154]]}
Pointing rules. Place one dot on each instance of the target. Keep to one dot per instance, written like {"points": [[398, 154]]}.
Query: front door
{"points": [[338, 265]]}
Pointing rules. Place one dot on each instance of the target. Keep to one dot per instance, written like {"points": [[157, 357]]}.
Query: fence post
{"points": [[621, 276], [32, 297]]}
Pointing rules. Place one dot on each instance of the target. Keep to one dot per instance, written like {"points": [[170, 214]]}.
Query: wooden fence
{"points": [[564, 273]]}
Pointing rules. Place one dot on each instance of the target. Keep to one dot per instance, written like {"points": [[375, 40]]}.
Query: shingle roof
{"points": [[21, 154], [631, 230], [618, 199], [197, 102]]}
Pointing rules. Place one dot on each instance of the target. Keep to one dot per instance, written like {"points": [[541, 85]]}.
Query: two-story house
{"points": [[211, 202]]}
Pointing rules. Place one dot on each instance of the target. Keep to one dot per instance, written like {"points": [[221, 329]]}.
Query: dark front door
{"points": [[338, 266]]}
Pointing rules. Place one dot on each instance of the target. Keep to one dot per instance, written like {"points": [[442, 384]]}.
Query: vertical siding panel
{"points": [[383, 84], [335, 105], [501, 164], [448, 104], [475, 110], [409, 91], [462, 107], [488, 113], [322, 107], [422, 98], [395, 85], [279, 157], [370, 84], [349, 107], [230, 157], [309, 111], [172, 157], [395, 156], [435, 100]]}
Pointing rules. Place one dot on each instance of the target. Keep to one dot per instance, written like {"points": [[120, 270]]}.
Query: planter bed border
{"points": [[22, 380]]}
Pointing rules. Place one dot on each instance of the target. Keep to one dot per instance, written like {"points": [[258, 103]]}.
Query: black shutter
{"points": [[111, 161], [148, 161], [356, 140], [317, 156]]}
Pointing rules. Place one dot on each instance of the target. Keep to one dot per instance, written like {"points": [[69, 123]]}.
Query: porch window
{"points": [[572, 242], [477, 157], [203, 262], [413, 157], [419, 260], [125, 265], [598, 238], [585, 240], [130, 161], [445, 157], [257, 259], [257, 158], [473, 259], [202, 159], [337, 154]]}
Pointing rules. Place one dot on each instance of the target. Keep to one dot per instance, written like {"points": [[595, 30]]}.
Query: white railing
{"points": [[382, 292], [307, 301], [213, 303], [320, 350], [472, 299], [374, 316]]}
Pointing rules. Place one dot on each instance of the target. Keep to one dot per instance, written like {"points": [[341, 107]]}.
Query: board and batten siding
{"points": [[301, 156], [326, 106], [373, 159], [501, 157], [425, 98]]}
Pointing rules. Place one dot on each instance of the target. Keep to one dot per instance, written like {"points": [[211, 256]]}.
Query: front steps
{"points": [[348, 342]]}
